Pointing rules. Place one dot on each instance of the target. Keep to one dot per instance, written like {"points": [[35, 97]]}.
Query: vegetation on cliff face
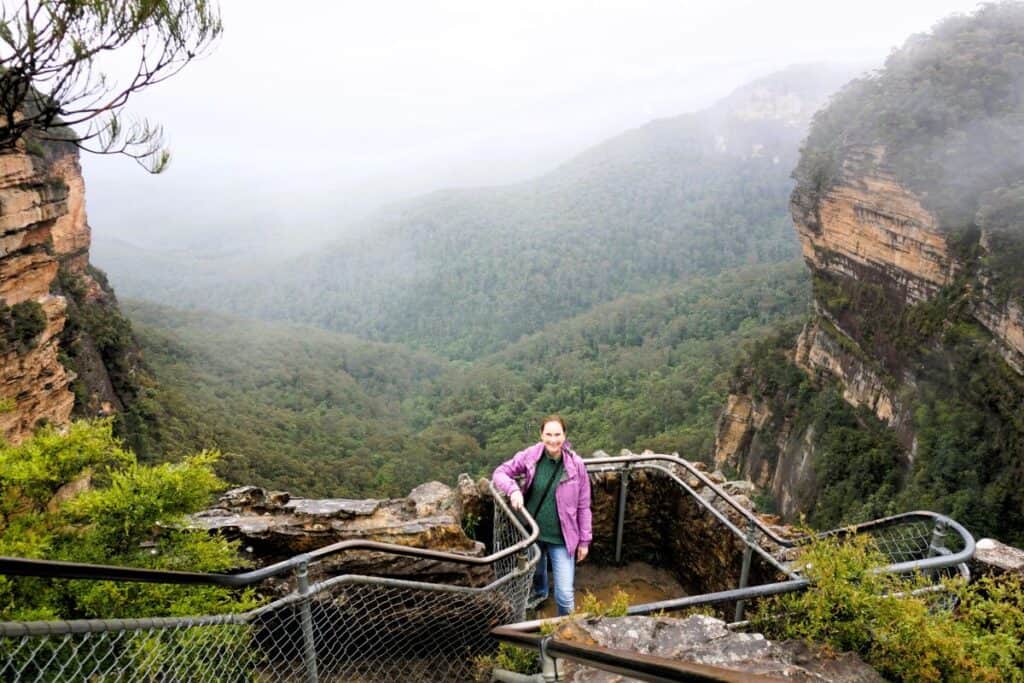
{"points": [[856, 458], [949, 110], [99, 346], [964, 410], [326, 414], [21, 325]]}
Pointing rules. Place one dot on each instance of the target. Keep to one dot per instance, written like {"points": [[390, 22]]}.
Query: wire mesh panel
{"points": [[125, 654], [348, 628]]}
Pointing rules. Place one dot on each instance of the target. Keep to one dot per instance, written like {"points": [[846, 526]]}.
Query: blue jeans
{"points": [[563, 567]]}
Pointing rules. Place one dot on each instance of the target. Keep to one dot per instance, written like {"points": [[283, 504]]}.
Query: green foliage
{"points": [[326, 414], [79, 496], [851, 608], [591, 605], [510, 658], [21, 324]]}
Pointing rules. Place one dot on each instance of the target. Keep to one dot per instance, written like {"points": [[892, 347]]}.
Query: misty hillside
{"points": [[948, 108], [464, 272], [320, 413]]}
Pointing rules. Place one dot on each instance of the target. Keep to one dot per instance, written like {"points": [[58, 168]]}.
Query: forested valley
{"points": [[325, 414], [618, 290]]}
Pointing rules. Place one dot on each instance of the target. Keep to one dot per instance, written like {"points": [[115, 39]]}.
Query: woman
{"points": [[557, 495]]}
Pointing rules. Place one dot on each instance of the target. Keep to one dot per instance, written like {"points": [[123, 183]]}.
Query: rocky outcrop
{"points": [[272, 526], [876, 253], [1006, 323], [44, 258], [704, 640], [742, 417], [992, 558], [823, 347]]}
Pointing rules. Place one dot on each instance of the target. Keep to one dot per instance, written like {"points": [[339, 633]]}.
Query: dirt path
{"points": [[642, 582]]}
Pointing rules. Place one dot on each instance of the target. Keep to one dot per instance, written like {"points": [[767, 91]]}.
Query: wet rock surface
{"points": [[992, 558], [704, 640], [273, 526]]}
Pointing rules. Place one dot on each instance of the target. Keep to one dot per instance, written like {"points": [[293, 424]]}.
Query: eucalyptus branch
{"points": [[49, 80]]}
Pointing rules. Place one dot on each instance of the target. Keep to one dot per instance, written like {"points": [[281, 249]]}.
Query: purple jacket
{"points": [[572, 495]]}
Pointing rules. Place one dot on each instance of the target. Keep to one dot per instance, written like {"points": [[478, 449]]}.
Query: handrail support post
{"points": [[306, 619], [937, 546], [621, 520], [748, 554]]}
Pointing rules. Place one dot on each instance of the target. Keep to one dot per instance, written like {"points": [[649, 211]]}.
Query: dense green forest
{"points": [[465, 272], [325, 414]]}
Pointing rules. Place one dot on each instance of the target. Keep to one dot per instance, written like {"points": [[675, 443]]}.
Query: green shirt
{"points": [[545, 511]]}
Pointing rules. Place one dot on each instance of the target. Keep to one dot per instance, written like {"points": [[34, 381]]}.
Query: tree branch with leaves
{"points": [[52, 83]]}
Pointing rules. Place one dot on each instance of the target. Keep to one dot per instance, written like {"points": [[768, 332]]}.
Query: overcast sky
{"points": [[308, 114]]}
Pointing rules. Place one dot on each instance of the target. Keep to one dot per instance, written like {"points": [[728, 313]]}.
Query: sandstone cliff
{"points": [[50, 370], [881, 264], [906, 386]]}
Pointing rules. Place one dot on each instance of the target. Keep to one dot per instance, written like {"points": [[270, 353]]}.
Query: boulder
{"points": [[702, 639], [273, 526]]}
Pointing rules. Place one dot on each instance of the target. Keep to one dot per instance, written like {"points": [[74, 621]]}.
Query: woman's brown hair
{"points": [[553, 418]]}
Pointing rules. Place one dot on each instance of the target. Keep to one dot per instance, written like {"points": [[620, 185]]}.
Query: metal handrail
{"points": [[17, 566], [634, 665], [651, 668], [925, 564]]}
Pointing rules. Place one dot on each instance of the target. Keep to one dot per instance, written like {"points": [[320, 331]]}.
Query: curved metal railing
{"points": [[343, 628], [912, 542]]}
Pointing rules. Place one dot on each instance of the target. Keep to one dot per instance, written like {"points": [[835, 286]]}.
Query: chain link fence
{"points": [[346, 628]]}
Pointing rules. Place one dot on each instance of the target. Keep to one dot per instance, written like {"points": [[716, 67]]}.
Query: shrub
{"points": [[78, 496], [21, 324], [852, 608]]}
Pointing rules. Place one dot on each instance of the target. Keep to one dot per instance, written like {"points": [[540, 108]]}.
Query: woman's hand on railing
{"points": [[516, 500]]}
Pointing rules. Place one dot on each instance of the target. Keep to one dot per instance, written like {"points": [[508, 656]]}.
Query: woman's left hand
{"points": [[582, 552]]}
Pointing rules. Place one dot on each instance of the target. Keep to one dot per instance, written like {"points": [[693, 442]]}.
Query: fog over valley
{"points": [[300, 124]]}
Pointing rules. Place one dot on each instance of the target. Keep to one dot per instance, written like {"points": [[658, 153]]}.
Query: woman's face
{"points": [[553, 437]]}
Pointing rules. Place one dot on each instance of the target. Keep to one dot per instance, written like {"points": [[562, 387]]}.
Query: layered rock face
{"points": [[39, 214], [869, 226], [44, 231], [875, 252]]}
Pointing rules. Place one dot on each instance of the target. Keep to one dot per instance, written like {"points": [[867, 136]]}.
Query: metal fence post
{"points": [[623, 485], [748, 554], [937, 546], [306, 617]]}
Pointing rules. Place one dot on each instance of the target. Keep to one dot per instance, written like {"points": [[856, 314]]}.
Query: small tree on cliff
{"points": [[52, 59]]}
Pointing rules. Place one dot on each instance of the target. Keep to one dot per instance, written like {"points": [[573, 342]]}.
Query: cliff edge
{"points": [[66, 349], [905, 388]]}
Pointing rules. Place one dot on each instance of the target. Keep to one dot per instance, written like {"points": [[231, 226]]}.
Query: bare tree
{"points": [[51, 81]]}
